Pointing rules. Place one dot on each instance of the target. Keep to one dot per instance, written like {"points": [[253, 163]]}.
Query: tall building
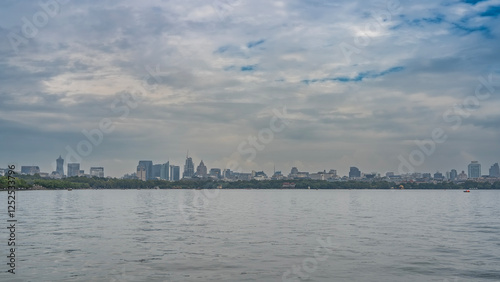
{"points": [[474, 170], [60, 166], [188, 168], [175, 172], [73, 169], [215, 172], [97, 171], [495, 170], [30, 170], [354, 172], [453, 174], [141, 172], [294, 171], [164, 171], [201, 170], [148, 167], [438, 176], [156, 171]]}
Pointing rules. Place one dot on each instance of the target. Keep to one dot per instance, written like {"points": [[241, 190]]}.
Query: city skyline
{"points": [[309, 84], [148, 170]]}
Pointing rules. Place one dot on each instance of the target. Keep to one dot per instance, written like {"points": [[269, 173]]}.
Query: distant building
{"points": [[148, 167], [73, 169], [175, 172], [277, 175], [474, 170], [438, 176], [462, 176], [97, 171], [165, 171], [453, 175], [215, 172], [30, 170], [201, 170], [227, 173], [294, 171], [495, 171], [259, 175], [354, 172], [141, 172], [426, 175], [60, 166], [188, 168], [81, 172], [156, 171], [389, 174]]}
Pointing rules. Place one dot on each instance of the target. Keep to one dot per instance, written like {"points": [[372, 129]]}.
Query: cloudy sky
{"points": [[318, 84]]}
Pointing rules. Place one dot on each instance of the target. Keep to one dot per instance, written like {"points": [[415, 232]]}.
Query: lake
{"points": [[254, 235]]}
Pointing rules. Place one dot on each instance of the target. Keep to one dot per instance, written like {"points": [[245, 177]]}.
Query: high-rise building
{"points": [[73, 169], [30, 170], [474, 170], [141, 172], [215, 172], [438, 176], [175, 172], [495, 170], [354, 172], [60, 166], [97, 171], [148, 167], [156, 171], [165, 171], [453, 174], [188, 168], [201, 170]]}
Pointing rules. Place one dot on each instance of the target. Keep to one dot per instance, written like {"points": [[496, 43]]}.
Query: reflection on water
{"points": [[256, 235]]}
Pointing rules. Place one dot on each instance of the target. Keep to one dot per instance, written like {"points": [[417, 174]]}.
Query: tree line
{"points": [[28, 181]]}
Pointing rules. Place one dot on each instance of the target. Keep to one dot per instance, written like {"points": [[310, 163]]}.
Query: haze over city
{"points": [[319, 85]]}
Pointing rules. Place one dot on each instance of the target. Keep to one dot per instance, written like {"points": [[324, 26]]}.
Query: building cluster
{"points": [[474, 173], [73, 169], [146, 170]]}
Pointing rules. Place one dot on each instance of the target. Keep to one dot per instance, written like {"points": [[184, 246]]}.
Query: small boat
{"points": [[70, 189], [466, 191]]}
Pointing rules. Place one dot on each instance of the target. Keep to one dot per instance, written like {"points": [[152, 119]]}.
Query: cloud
{"points": [[213, 78]]}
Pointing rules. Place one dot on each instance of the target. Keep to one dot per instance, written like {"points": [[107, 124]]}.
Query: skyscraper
{"points": [[354, 172], [474, 170], [453, 174], [156, 171], [141, 172], [60, 166], [148, 167], [73, 169], [495, 170], [188, 168], [201, 170], [175, 172], [164, 171]]}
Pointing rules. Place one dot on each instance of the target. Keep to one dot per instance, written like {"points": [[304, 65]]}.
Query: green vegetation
{"points": [[27, 181]]}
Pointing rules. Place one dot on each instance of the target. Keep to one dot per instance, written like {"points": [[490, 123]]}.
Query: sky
{"points": [[251, 85]]}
